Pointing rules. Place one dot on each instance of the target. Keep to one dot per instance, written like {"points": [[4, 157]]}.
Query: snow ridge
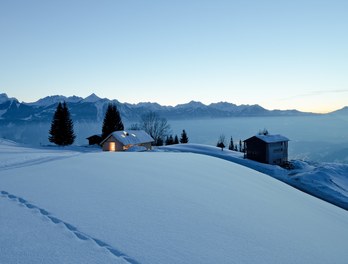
{"points": [[71, 228]]}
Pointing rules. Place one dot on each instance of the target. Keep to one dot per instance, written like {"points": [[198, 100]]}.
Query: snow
{"points": [[88, 206], [130, 137], [328, 181], [4, 98], [91, 98], [2, 112], [13, 155], [55, 99], [272, 138], [32, 234]]}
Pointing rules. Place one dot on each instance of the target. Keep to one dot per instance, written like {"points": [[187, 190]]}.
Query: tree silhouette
{"points": [[62, 127], [231, 146], [221, 142], [184, 139], [157, 127], [112, 121], [169, 140]]}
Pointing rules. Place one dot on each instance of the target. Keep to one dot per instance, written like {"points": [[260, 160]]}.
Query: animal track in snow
{"points": [[80, 235]]}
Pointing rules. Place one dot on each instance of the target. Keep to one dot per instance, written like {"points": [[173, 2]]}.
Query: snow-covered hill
{"points": [[328, 181], [82, 206]]}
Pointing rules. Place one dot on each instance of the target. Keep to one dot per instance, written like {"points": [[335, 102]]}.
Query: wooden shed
{"points": [[271, 149], [94, 140], [124, 140]]}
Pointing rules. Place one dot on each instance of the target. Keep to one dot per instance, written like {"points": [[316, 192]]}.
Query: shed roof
{"points": [[130, 137], [96, 135], [270, 138]]}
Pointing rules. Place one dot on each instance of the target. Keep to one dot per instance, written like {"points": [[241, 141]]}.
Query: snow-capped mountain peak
{"points": [[4, 98], [224, 106], [91, 98], [192, 104], [54, 99]]}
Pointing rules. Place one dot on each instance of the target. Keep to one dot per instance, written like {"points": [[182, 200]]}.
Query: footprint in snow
{"points": [[54, 219], [71, 228], [80, 236]]}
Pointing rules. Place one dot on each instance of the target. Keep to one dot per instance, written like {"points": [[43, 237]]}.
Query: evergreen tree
{"points": [[112, 121], [240, 146], [169, 140], [184, 139], [231, 146], [159, 142], [62, 127], [263, 132], [176, 139]]}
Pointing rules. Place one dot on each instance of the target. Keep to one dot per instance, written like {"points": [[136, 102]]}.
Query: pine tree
{"points": [[112, 121], [263, 132], [169, 140], [159, 142], [62, 127], [184, 139], [231, 146], [240, 146], [176, 139]]}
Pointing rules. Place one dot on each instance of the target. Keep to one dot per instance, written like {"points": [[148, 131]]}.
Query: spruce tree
{"points": [[184, 139], [240, 146], [62, 127], [112, 121], [176, 139], [169, 140], [231, 146], [159, 142]]}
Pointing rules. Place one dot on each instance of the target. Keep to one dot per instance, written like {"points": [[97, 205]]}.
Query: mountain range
{"points": [[92, 108]]}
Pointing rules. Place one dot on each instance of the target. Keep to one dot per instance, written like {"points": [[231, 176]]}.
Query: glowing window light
{"points": [[112, 146]]}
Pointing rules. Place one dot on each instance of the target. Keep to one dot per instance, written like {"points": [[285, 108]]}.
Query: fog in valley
{"points": [[315, 138]]}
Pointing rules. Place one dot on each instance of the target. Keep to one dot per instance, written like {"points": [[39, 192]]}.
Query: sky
{"points": [[278, 54]]}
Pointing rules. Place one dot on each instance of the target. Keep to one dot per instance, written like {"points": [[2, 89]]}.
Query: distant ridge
{"points": [[92, 108], [342, 111]]}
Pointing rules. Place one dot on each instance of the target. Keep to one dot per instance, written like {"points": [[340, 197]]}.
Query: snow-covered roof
{"points": [[131, 137], [271, 138]]}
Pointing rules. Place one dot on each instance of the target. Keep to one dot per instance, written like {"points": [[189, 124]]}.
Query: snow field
{"points": [[170, 208]]}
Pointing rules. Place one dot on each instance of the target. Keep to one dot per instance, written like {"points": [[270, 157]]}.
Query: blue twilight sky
{"points": [[279, 54]]}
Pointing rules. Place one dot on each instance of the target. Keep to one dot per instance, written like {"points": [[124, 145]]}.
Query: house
{"points": [[94, 140], [124, 140], [271, 149]]}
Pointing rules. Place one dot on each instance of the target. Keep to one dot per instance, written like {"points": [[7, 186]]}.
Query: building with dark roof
{"points": [[271, 149]]}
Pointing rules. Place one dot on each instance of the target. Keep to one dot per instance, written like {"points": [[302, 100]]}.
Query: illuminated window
{"points": [[112, 146], [127, 147]]}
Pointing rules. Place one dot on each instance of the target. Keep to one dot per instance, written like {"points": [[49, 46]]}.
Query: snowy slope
{"points": [[160, 208], [28, 237], [328, 181], [14, 155]]}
